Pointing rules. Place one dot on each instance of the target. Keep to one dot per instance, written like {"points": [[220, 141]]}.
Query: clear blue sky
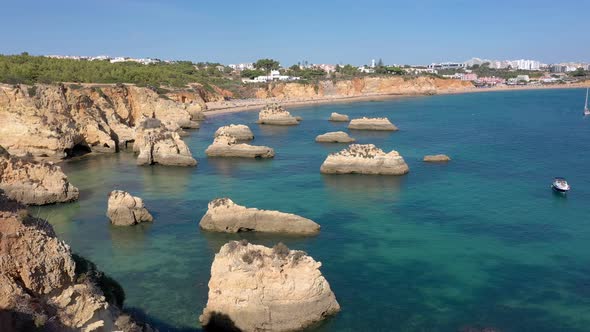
{"points": [[319, 31]]}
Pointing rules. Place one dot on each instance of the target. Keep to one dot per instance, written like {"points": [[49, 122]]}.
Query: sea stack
{"points": [[275, 114], [34, 183], [334, 137], [256, 288], [126, 210], [158, 145], [239, 132], [227, 146], [223, 215], [364, 159], [337, 117], [438, 158], [372, 124]]}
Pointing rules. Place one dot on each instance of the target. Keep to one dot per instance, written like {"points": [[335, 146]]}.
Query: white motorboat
{"points": [[560, 185]]}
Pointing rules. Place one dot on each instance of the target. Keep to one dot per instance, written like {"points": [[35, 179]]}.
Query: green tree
{"points": [[267, 65]]}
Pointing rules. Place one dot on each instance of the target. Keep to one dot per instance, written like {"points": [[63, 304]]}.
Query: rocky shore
{"points": [[44, 287], [156, 144], [126, 210], [334, 137], [364, 159], [239, 132], [34, 183], [223, 215], [228, 146], [256, 288]]}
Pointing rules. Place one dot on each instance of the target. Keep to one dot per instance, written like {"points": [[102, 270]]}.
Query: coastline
{"points": [[244, 105]]}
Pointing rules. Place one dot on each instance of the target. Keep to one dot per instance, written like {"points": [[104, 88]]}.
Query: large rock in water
{"points": [[365, 159], [239, 132], [372, 124], [275, 114], [34, 183], [337, 117], [334, 137], [256, 288], [126, 210], [227, 146], [158, 145], [437, 158], [44, 287], [223, 215]]}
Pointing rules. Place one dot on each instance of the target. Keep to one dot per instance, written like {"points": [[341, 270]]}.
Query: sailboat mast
{"points": [[586, 104]]}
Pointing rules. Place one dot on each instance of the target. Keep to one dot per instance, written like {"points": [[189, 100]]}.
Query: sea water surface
{"points": [[480, 242]]}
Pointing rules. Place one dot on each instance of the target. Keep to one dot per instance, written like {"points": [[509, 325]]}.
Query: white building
{"points": [[275, 75], [525, 64], [446, 65], [366, 70], [242, 66]]}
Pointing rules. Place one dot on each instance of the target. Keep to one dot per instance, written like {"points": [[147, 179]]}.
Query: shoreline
{"points": [[244, 105]]}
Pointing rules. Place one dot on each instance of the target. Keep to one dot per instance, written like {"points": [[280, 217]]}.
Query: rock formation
{"points": [[334, 137], [364, 159], [34, 183], [437, 158], [223, 215], [256, 288], [126, 210], [227, 146], [158, 145], [337, 117], [44, 287], [372, 124], [58, 121], [275, 114], [239, 132], [361, 86]]}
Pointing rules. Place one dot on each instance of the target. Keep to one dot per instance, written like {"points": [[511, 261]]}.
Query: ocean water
{"points": [[480, 242]]}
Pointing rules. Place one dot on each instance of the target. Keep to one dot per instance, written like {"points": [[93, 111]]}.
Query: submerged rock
{"points": [[43, 286], [126, 210], [34, 183], [227, 146], [337, 117], [275, 114], [437, 158], [334, 137], [239, 132], [364, 159], [223, 215], [372, 124], [158, 145], [256, 288]]}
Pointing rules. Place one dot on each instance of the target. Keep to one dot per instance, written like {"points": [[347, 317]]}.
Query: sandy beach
{"points": [[252, 104]]}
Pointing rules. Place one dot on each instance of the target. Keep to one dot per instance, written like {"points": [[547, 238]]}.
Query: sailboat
{"points": [[586, 110]]}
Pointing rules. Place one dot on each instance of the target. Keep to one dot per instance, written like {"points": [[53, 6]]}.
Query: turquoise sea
{"points": [[480, 242]]}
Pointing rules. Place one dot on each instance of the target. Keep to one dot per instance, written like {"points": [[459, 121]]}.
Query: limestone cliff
{"points": [[362, 86], [35, 183], [364, 159], [57, 121], [43, 286]]}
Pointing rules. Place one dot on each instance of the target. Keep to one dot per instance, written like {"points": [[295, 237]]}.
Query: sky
{"points": [[317, 31]]}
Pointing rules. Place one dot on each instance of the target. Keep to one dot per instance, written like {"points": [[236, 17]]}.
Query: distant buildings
{"points": [[446, 65], [144, 61], [366, 70], [274, 75], [242, 66]]}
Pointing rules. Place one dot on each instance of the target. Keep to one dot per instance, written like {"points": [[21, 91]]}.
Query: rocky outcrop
{"points": [[256, 288], [223, 215], [437, 158], [364, 159], [239, 132], [337, 117], [158, 145], [275, 114], [227, 146], [334, 137], [372, 124], [362, 86], [126, 210], [34, 183], [57, 121], [43, 286]]}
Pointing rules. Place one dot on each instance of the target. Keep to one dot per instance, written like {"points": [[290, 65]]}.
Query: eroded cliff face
{"points": [[57, 121], [43, 286], [362, 86]]}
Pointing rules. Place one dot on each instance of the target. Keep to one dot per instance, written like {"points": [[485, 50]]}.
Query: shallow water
{"points": [[479, 242]]}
